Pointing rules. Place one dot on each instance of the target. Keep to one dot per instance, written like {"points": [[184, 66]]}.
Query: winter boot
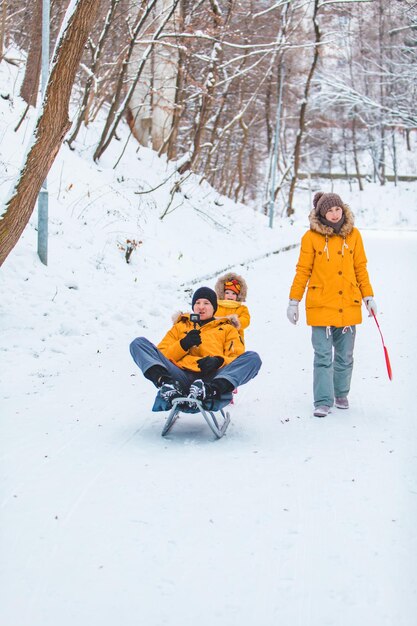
{"points": [[321, 411], [205, 392], [341, 402], [170, 391], [158, 374]]}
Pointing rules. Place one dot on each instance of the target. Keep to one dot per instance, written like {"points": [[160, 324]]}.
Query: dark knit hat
{"points": [[322, 202], [207, 294]]}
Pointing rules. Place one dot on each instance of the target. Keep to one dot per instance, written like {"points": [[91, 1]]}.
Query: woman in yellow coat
{"points": [[333, 264], [231, 290]]}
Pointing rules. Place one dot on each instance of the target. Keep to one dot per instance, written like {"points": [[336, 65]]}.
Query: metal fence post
{"points": [[43, 194]]}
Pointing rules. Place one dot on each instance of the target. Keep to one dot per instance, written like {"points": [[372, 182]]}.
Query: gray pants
{"points": [[333, 362], [240, 371]]}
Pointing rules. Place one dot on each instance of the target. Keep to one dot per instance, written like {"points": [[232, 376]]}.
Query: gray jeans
{"points": [[240, 371], [333, 362]]}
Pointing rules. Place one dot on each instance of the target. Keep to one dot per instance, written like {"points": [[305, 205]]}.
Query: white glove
{"points": [[292, 311], [370, 305]]}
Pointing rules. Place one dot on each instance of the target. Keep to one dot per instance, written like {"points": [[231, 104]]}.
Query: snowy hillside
{"points": [[286, 520]]}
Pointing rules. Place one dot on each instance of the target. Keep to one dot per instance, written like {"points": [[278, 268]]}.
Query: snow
{"points": [[288, 519]]}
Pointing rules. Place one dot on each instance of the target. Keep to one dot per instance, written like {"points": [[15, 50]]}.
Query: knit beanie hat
{"points": [[207, 294], [233, 285], [322, 202]]}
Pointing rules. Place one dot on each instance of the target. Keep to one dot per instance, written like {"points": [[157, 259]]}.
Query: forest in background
{"points": [[253, 95]]}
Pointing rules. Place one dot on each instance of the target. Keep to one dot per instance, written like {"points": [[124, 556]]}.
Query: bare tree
{"points": [[303, 109], [151, 107], [51, 127], [350, 86], [91, 85], [118, 108]]}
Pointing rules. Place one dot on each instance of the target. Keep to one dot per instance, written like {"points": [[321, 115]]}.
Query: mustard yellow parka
{"points": [[218, 338], [232, 308], [334, 267]]}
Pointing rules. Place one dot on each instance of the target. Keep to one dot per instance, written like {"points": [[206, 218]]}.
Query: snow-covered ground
{"points": [[288, 519]]}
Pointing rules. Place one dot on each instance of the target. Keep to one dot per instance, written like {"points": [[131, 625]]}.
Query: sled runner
{"points": [[190, 405]]}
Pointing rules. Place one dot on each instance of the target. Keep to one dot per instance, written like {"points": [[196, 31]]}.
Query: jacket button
{"points": [[340, 293], [320, 252], [340, 310], [339, 252], [340, 273], [351, 251]]}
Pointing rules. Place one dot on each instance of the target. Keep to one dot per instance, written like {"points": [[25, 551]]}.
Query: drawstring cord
{"points": [[326, 248], [344, 331]]}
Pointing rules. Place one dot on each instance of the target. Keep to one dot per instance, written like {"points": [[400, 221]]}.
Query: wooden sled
{"points": [[209, 416]]}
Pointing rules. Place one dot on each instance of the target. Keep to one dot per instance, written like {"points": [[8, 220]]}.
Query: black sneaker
{"points": [[204, 392], [170, 391]]}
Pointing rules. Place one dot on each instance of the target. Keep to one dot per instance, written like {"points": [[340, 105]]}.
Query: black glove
{"points": [[210, 364], [193, 338]]}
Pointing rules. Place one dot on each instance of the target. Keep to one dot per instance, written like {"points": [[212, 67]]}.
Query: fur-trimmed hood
{"points": [[322, 229], [219, 287], [233, 319]]}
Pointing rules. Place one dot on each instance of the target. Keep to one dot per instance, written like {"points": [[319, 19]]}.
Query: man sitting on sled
{"points": [[201, 358]]}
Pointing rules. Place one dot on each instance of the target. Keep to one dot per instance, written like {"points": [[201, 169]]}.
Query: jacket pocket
{"points": [[314, 296], [355, 293]]}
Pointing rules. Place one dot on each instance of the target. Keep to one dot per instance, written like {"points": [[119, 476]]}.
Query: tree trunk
{"points": [[178, 107], [303, 109], [241, 151], [207, 95], [268, 124], [394, 156], [3, 27], [382, 150], [407, 137], [355, 154], [51, 127], [30, 85]]}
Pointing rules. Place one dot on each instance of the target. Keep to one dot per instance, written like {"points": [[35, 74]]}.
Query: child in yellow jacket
{"points": [[231, 290]]}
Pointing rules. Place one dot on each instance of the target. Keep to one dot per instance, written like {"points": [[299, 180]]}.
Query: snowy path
{"points": [[287, 520]]}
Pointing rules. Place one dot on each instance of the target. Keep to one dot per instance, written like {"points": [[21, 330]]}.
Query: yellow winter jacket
{"points": [[334, 267], [227, 308], [235, 309], [218, 338]]}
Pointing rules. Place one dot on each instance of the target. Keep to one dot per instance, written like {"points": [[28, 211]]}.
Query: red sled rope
{"points": [[387, 361]]}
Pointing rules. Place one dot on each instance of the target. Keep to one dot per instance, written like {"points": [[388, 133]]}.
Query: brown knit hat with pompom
{"points": [[322, 202]]}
